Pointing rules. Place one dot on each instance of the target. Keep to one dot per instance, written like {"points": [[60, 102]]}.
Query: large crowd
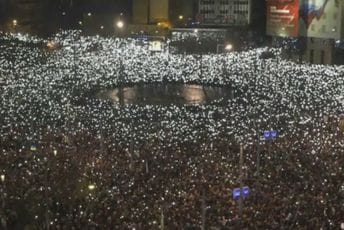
{"points": [[72, 161]]}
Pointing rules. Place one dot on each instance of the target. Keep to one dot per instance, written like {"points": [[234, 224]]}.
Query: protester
{"points": [[73, 161]]}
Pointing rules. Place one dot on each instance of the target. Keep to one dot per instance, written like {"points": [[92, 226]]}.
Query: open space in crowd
{"points": [[69, 160]]}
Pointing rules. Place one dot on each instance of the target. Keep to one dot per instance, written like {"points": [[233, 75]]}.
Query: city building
{"points": [[29, 16], [224, 12], [319, 22], [176, 13], [151, 11], [41, 17]]}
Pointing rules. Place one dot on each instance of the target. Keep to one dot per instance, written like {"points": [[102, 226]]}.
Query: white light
{"points": [[102, 27], [229, 47], [55, 152], [80, 22], [2, 178], [15, 22], [51, 44], [89, 14], [196, 30], [91, 187], [120, 24]]}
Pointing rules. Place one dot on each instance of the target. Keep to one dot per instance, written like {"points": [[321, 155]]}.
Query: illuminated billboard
{"points": [[155, 46], [308, 18], [283, 18], [321, 18]]}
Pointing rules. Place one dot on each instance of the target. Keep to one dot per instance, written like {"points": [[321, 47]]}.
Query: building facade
{"points": [[27, 16], [32, 16], [150, 11], [319, 22], [224, 12]]}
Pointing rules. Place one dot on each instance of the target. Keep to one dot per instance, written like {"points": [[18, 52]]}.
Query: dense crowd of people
{"points": [[73, 161]]}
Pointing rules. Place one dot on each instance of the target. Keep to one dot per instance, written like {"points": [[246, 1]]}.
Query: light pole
{"points": [[14, 24], [241, 162], [204, 210], [121, 81], [3, 204], [120, 27], [227, 48]]}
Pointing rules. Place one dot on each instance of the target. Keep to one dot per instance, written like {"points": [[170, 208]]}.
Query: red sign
{"points": [[283, 18]]}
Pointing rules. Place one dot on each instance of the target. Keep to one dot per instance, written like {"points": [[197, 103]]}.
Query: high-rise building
{"points": [[224, 12], [140, 12], [151, 11]]}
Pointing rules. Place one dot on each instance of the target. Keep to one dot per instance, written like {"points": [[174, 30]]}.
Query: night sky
{"points": [[107, 6]]}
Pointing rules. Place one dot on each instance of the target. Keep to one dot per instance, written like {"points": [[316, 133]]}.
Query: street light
{"points": [[2, 178], [14, 25], [120, 24], [228, 47], [181, 17]]}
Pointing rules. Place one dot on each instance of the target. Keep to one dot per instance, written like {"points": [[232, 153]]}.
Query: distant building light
{"points": [[89, 14], [196, 30], [102, 27], [80, 23], [15, 22], [63, 13], [181, 17]]}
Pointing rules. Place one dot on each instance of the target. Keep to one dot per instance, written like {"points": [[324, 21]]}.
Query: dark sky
{"points": [[108, 6]]}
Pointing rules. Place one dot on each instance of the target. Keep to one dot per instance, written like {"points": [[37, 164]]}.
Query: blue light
{"points": [[246, 192], [267, 135], [270, 135], [273, 134], [236, 193]]}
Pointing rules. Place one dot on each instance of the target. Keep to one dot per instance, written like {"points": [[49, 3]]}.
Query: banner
{"points": [[283, 18], [321, 18]]}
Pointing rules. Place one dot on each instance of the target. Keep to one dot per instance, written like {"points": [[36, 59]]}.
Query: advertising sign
{"points": [[155, 46], [283, 18], [320, 18]]}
